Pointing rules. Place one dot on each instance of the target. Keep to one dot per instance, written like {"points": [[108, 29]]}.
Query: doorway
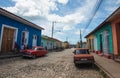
{"points": [[34, 40], [25, 35], [8, 38], [107, 41], [101, 43]]}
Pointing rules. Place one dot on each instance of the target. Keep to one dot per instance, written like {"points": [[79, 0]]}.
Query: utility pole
{"points": [[52, 34], [80, 39], [52, 29], [52, 45]]}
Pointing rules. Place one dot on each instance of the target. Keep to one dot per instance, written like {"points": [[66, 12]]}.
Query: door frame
{"points": [[15, 34], [101, 42], [107, 45], [36, 39], [22, 35], [95, 43]]}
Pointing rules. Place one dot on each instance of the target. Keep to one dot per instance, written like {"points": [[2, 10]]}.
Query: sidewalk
{"points": [[111, 67], [9, 55]]}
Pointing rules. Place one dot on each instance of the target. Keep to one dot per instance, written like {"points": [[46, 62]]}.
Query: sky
{"points": [[70, 16]]}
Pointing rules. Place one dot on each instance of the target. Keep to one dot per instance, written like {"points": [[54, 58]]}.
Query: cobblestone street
{"points": [[53, 65]]}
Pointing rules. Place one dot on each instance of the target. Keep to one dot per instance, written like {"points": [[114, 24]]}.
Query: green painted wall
{"points": [[101, 30], [45, 42]]}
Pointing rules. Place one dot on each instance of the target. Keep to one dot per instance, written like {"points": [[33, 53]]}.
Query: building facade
{"points": [[58, 43], [16, 32], [103, 39], [50, 43], [90, 42], [45, 42], [106, 36], [115, 22], [65, 44]]}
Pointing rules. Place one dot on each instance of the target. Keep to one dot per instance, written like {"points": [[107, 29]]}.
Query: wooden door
{"points": [[7, 39]]}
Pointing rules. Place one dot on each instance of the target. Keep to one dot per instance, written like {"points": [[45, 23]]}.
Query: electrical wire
{"points": [[98, 3]]}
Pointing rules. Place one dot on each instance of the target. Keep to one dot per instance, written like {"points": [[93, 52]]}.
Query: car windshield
{"points": [[34, 48], [82, 52]]}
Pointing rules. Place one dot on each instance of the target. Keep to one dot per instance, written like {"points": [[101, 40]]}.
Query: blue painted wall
{"points": [[21, 27]]}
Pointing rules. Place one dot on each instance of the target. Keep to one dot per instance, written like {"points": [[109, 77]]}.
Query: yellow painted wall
{"points": [[58, 44], [65, 45], [90, 42]]}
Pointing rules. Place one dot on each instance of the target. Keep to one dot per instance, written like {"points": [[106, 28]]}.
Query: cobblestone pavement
{"points": [[53, 65]]}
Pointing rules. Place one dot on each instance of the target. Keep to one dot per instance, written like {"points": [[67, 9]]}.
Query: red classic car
{"points": [[34, 52], [82, 55]]}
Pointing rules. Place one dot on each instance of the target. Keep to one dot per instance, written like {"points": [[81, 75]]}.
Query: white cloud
{"points": [[60, 33], [63, 1], [78, 16], [77, 32], [33, 7], [66, 28], [41, 9]]}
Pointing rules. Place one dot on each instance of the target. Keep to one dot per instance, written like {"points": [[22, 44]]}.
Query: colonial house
{"points": [[50, 43], [115, 23], [90, 42], [16, 32], [46, 42], [65, 44], [103, 40], [58, 43], [106, 36]]}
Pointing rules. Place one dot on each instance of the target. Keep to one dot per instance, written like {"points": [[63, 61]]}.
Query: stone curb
{"points": [[104, 71]]}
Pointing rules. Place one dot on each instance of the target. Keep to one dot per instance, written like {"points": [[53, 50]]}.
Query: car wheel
{"points": [[33, 56]]}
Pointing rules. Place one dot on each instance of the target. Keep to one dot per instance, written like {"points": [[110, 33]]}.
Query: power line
{"points": [[98, 3]]}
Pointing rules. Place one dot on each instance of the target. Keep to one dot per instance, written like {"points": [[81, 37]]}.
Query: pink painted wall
{"points": [[116, 35]]}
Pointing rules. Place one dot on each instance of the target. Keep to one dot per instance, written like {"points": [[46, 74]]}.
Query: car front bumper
{"points": [[26, 55], [83, 62]]}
